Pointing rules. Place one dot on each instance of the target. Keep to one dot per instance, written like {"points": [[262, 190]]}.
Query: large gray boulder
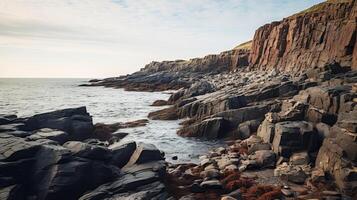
{"points": [[144, 153], [74, 121], [291, 136], [121, 154]]}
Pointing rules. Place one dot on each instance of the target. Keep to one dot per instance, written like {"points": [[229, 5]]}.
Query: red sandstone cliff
{"points": [[322, 34]]}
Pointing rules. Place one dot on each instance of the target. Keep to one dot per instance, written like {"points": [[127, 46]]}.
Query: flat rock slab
{"points": [[51, 134], [14, 148]]}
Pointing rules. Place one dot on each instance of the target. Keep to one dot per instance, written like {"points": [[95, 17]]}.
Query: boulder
{"points": [[266, 131], [51, 134], [293, 173], [265, 158], [300, 158], [144, 153], [348, 120], [247, 128], [122, 153], [292, 136], [74, 121], [332, 160], [84, 150]]}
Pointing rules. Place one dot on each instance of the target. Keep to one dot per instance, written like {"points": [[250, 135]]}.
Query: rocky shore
{"points": [[285, 102], [58, 155]]}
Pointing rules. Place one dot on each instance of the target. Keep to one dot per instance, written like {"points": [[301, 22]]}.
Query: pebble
{"points": [[287, 192], [211, 184]]}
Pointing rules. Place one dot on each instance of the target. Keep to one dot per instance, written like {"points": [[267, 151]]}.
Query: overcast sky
{"points": [[101, 38]]}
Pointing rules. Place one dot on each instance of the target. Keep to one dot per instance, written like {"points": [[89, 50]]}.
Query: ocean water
{"points": [[26, 97]]}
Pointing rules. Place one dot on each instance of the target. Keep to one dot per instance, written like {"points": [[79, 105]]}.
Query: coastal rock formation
{"points": [[38, 166], [312, 38]]}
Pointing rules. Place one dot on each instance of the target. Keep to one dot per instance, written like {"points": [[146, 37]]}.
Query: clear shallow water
{"points": [[26, 97]]}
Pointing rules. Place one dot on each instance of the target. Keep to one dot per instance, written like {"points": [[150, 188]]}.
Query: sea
{"points": [[26, 97]]}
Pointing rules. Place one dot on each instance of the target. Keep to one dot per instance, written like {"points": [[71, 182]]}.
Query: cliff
{"points": [[322, 34], [224, 61]]}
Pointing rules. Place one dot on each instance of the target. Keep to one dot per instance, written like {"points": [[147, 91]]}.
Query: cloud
{"points": [[123, 35]]}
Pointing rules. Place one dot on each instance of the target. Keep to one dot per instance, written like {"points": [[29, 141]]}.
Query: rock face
{"points": [[315, 37], [45, 165], [76, 122]]}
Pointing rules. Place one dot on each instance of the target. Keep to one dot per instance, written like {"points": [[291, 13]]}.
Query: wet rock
{"points": [[74, 121], [121, 154], [160, 103], [144, 153], [89, 151], [51, 134], [58, 175], [123, 185], [18, 133], [14, 148], [164, 114], [12, 127], [7, 119]]}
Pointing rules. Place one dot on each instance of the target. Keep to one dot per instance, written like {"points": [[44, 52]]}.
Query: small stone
{"points": [[330, 193], [205, 162], [242, 168], [228, 198], [209, 167], [231, 167], [174, 157], [301, 158], [211, 184], [211, 174], [287, 192]]}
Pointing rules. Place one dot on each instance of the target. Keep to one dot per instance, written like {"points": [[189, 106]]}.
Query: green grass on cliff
{"points": [[245, 45], [319, 6]]}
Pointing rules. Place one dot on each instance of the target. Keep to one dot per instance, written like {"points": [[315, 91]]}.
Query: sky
{"points": [[105, 38]]}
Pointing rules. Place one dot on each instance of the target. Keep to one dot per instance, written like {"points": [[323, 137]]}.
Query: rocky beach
{"points": [[284, 104]]}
